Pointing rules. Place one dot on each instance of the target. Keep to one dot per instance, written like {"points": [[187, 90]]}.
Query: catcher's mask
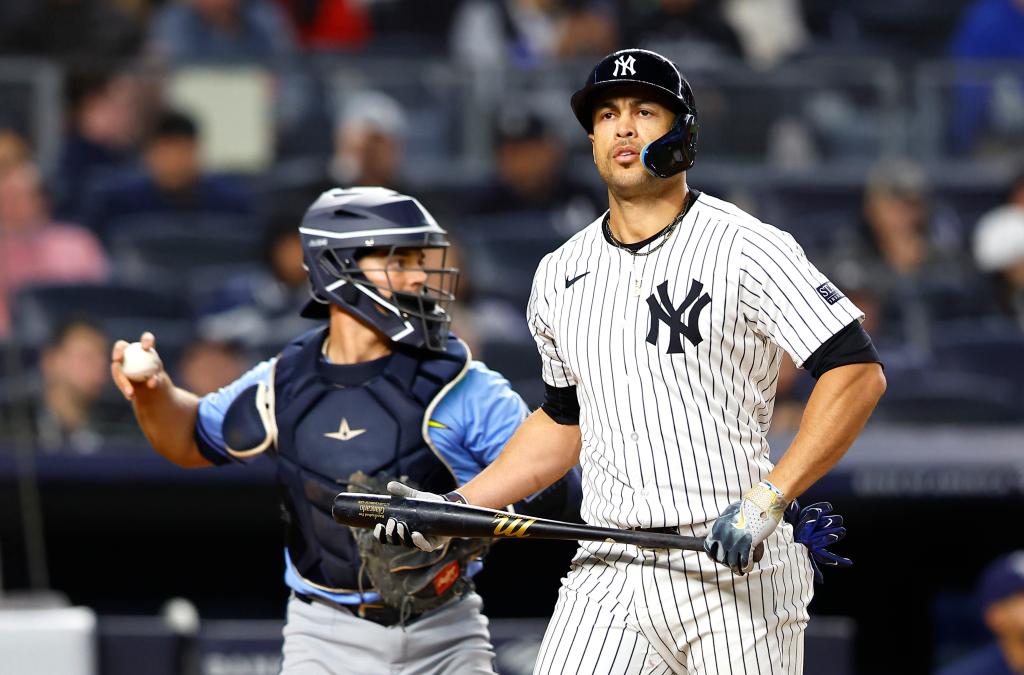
{"points": [[675, 151], [343, 227]]}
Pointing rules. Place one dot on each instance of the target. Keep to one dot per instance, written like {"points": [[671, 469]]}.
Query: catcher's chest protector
{"points": [[327, 430]]}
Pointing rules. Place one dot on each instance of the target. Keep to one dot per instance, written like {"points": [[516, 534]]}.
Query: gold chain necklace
{"points": [[665, 233]]}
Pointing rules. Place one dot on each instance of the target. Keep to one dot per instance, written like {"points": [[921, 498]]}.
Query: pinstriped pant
{"points": [[628, 611]]}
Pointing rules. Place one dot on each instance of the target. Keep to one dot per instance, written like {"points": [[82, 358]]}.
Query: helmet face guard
{"points": [[418, 319], [344, 227]]}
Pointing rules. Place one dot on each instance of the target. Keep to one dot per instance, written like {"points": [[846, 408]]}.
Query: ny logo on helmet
{"points": [[625, 65]]}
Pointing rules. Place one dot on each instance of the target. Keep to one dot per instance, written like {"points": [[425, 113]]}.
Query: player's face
{"points": [[624, 122], [402, 270]]}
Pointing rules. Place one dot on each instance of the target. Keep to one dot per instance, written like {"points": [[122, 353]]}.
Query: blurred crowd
{"points": [[194, 133]]}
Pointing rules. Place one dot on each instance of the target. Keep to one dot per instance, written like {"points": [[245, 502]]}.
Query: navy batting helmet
{"points": [[676, 150], [344, 225]]}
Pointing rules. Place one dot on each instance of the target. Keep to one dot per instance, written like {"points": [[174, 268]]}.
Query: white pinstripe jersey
{"points": [[675, 357]]}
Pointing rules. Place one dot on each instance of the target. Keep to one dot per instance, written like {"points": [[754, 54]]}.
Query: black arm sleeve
{"points": [[850, 345], [561, 404]]}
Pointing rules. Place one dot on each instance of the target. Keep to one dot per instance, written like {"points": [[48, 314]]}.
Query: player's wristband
{"points": [[767, 498], [768, 484], [455, 497]]}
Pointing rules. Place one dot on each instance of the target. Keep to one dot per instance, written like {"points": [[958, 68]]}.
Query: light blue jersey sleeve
{"points": [[475, 420], [212, 408]]}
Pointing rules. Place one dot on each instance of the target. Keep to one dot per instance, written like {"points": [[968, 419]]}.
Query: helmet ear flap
{"points": [[674, 152]]}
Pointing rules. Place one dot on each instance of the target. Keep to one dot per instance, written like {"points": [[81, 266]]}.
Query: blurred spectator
{"points": [[33, 248], [531, 32], [1001, 596], [369, 139], [261, 309], [903, 251], [999, 250], [72, 31], [104, 125], [368, 149], [412, 26], [767, 48], [586, 29], [13, 150], [196, 31], [532, 176], [171, 183], [329, 24], [992, 112], [1016, 193], [697, 27], [75, 370], [206, 366]]}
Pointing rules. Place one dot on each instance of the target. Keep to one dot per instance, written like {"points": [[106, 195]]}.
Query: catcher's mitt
{"points": [[412, 581]]}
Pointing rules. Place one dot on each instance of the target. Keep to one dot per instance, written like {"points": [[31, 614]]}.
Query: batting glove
{"points": [[397, 532], [817, 529], [743, 525]]}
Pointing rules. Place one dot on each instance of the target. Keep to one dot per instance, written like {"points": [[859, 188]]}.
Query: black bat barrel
{"points": [[459, 520]]}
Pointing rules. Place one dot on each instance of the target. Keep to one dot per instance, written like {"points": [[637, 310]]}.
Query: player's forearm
{"points": [[539, 453], [167, 416], [836, 413]]}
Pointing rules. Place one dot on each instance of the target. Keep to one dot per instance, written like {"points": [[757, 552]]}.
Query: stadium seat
{"points": [[196, 258], [122, 311], [502, 252], [991, 348], [970, 202], [781, 203], [143, 244], [816, 231], [932, 396]]}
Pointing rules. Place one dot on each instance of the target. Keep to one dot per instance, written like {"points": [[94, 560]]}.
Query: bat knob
{"points": [[759, 552]]}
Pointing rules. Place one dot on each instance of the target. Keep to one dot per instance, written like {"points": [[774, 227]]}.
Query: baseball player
{"points": [[660, 327], [382, 391]]}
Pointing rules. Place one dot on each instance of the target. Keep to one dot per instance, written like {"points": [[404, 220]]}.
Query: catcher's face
{"points": [[401, 271], [625, 120]]}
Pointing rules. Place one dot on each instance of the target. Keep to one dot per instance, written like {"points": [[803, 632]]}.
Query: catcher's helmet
{"points": [[676, 150], [342, 226]]}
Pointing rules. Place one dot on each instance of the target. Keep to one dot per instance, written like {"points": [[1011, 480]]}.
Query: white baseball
{"points": [[139, 364]]}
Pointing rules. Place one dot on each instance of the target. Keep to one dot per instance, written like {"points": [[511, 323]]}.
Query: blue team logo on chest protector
{"points": [[327, 431]]}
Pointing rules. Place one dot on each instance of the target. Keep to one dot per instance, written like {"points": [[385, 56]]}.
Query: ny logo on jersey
{"points": [[625, 65], [662, 310]]}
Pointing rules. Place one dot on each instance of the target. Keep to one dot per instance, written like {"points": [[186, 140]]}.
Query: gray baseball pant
{"points": [[320, 640]]}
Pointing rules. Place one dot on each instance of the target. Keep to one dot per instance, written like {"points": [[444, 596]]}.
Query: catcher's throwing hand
{"points": [[397, 532], [743, 525], [817, 528], [127, 387]]}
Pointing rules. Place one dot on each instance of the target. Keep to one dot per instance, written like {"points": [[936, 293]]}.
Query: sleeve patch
{"points": [[829, 293]]}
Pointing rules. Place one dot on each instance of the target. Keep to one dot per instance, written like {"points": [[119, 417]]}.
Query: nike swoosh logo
{"points": [[569, 282]]}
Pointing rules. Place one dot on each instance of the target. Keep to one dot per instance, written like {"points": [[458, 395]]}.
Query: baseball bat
{"points": [[449, 519]]}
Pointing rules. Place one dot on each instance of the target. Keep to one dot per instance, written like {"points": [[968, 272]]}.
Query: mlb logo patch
{"points": [[829, 293]]}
